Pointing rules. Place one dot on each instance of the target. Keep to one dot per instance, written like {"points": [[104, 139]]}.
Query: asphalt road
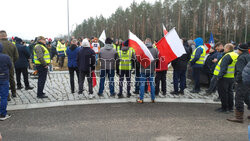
{"points": [[124, 122]]}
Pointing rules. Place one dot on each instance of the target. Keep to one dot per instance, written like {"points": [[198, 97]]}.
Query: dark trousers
{"points": [[179, 77], [225, 90], [61, 61], [82, 76], [196, 77], [72, 71], [12, 81], [42, 76], [242, 95], [127, 74], [53, 53], [4, 92], [213, 84], [161, 76], [24, 71], [137, 80]]}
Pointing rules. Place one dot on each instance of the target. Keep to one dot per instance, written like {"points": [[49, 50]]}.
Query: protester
{"points": [[242, 90], [72, 52], [21, 65], [5, 65], [124, 67], [246, 75], [108, 56], [147, 74], [225, 74], [180, 68], [10, 50], [61, 48], [86, 64], [116, 45], [96, 48], [42, 61], [197, 61]]}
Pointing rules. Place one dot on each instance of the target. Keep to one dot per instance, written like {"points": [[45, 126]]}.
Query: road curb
{"points": [[105, 101]]}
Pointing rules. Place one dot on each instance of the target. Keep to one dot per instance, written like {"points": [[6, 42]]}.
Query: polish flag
{"points": [[93, 79], [207, 47], [171, 46], [164, 30], [143, 55]]}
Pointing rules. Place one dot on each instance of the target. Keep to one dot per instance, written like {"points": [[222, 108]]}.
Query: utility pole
{"points": [[247, 10], [68, 18]]}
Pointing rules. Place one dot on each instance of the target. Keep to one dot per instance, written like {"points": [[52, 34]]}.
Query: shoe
{"points": [[80, 92], [128, 95], [248, 117], [2, 118], [112, 95], [9, 99], [221, 110], [217, 99], [72, 92], [90, 96], [194, 91], [174, 93], [136, 92], [181, 92], [238, 117], [100, 95], [19, 87], [152, 101], [13, 95], [43, 96], [139, 101], [29, 88], [120, 96]]}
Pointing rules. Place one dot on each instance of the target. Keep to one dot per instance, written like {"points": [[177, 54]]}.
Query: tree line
{"points": [[226, 19]]}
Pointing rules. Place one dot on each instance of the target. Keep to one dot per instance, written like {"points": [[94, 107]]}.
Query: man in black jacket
{"points": [[86, 64], [242, 91], [21, 65]]}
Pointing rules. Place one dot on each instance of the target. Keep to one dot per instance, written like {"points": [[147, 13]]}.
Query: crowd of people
{"points": [[227, 68]]}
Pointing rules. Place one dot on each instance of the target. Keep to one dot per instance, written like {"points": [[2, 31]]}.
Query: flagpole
{"points": [[246, 21], [68, 18]]}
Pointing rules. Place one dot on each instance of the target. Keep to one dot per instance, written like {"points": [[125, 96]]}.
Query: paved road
{"points": [[123, 122]]}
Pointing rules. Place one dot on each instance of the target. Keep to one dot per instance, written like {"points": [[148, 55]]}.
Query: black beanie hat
{"points": [[108, 41], [243, 47], [125, 43]]}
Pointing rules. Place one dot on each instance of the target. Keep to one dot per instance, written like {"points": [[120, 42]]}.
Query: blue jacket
{"points": [[72, 52], [199, 51], [24, 55], [5, 65]]}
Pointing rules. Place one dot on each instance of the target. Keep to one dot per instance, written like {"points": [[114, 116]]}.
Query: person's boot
{"points": [[238, 117], [29, 88], [248, 117]]}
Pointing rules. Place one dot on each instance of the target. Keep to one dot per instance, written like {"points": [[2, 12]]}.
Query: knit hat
{"points": [[40, 38], [18, 40], [243, 47], [198, 41], [108, 41], [85, 43], [125, 43]]}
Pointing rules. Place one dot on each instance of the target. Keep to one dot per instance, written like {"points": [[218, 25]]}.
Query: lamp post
{"points": [[68, 18]]}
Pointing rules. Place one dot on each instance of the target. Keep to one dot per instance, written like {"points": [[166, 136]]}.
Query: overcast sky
{"points": [[30, 18]]}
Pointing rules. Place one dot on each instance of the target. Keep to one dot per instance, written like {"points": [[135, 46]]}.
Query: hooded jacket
{"points": [[242, 61], [86, 59], [5, 65], [199, 51], [151, 68], [108, 56], [72, 52], [246, 74], [24, 55]]}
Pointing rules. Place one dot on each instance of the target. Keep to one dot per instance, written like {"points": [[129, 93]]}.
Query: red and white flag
{"points": [[171, 46], [207, 47], [143, 55], [164, 30]]}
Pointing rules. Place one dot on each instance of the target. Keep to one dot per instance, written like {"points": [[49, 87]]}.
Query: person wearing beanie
{"points": [[86, 64], [21, 65], [197, 61], [5, 65], [124, 67], [242, 90], [108, 56]]}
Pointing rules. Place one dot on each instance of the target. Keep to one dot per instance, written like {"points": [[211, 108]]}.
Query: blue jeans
{"points": [[4, 93], [111, 74], [144, 78], [179, 76]]}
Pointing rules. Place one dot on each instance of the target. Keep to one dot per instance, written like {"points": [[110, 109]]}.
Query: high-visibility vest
{"points": [[117, 48], [13, 42], [61, 48], [46, 55], [125, 60], [231, 67], [133, 50], [201, 60]]}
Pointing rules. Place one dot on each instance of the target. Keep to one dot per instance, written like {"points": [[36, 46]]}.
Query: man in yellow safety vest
{"points": [[61, 49]]}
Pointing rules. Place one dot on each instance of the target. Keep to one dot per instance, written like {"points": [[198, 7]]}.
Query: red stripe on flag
{"points": [[93, 79], [140, 55], [165, 50]]}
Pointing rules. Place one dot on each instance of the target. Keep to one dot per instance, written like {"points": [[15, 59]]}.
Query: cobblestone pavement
{"points": [[58, 89]]}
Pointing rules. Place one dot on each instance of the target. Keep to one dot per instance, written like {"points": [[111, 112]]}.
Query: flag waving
{"points": [[164, 30], [211, 40], [143, 55], [171, 46], [102, 38]]}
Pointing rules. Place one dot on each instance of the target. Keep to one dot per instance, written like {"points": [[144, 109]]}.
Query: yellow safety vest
{"points": [[117, 48], [13, 42], [60, 46], [231, 67], [46, 55], [201, 60], [125, 60]]}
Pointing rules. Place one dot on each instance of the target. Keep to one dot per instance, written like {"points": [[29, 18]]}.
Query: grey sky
{"points": [[30, 18]]}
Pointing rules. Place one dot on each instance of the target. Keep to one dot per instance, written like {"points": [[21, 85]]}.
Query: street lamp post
{"points": [[68, 18]]}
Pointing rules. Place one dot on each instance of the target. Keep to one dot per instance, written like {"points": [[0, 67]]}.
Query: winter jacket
{"points": [[152, 66], [86, 59], [72, 52], [242, 61], [108, 56], [227, 60], [246, 74], [24, 55], [10, 50], [133, 59], [209, 64], [5, 65], [199, 51], [40, 54], [182, 62]]}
